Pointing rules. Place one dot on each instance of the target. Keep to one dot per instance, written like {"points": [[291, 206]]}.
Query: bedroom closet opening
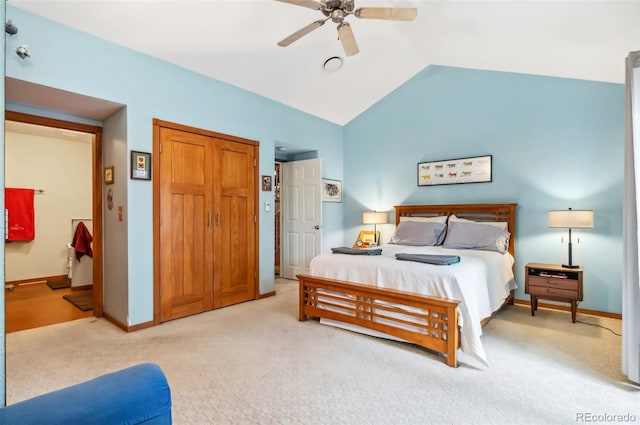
{"points": [[205, 221], [49, 173]]}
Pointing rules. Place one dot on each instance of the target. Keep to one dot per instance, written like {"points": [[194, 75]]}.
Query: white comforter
{"points": [[481, 280]]}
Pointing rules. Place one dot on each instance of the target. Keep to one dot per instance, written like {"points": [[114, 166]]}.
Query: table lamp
{"points": [[375, 218], [571, 219]]}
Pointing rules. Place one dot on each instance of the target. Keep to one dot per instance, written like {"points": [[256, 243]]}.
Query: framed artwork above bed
{"points": [[475, 169]]}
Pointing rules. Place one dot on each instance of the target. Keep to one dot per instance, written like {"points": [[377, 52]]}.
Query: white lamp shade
{"points": [[374, 217], [571, 219]]}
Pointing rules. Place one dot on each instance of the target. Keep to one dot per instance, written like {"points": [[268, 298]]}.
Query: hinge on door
{"points": [[160, 147], [255, 218], [254, 162]]}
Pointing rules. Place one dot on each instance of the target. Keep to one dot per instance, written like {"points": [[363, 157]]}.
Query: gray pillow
{"points": [[418, 233], [463, 235]]}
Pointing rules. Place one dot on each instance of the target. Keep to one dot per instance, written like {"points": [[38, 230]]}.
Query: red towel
{"points": [[21, 216], [82, 241]]}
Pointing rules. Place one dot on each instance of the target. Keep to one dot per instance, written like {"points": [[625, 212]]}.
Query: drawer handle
{"points": [[552, 282], [551, 291]]}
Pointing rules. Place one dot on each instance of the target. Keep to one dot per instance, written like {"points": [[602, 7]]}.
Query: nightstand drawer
{"points": [[550, 282], [545, 291]]}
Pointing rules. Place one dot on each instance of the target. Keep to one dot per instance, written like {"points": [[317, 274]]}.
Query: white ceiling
{"points": [[235, 42]]}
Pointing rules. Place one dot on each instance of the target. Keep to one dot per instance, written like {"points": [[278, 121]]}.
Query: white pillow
{"points": [[503, 225], [436, 219]]}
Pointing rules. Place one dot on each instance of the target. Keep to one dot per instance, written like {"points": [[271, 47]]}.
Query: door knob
{"points": [[317, 227]]}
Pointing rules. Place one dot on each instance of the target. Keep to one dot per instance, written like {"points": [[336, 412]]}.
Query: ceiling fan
{"points": [[337, 11]]}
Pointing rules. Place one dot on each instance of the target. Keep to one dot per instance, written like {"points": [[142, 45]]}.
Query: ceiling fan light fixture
{"points": [[332, 64], [337, 11]]}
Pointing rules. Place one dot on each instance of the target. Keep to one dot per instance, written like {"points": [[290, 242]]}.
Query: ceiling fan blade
{"points": [[389, 13], [301, 33], [304, 3], [347, 39]]}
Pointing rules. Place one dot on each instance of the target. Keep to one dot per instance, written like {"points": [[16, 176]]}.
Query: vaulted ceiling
{"points": [[235, 42]]}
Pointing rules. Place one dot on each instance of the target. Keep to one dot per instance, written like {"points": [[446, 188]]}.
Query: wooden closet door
{"points": [[235, 239], [186, 228]]}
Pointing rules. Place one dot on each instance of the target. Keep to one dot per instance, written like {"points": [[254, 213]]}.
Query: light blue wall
{"points": [[69, 60], [556, 143]]}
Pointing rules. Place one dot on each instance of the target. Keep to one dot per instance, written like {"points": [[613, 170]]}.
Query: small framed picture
{"points": [[140, 165], [266, 183], [108, 175], [331, 190]]}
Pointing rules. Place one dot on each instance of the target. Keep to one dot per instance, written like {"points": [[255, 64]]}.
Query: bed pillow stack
{"points": [[454, 232]]}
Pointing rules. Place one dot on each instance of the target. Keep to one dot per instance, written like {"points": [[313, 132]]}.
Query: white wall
{"points": [[62, 167]]}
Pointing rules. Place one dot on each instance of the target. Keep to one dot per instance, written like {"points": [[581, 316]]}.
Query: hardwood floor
{"points": [[35, 305]]}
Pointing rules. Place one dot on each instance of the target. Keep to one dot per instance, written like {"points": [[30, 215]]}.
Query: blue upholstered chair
{"points": [[136, 395]]}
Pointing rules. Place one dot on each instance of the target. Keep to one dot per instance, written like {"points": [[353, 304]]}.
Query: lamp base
{"points": [[570, 266]]}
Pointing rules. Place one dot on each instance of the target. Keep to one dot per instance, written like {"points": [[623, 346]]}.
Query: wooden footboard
{"points": [[426, 321]]}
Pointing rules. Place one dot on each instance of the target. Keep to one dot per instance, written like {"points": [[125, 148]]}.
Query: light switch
{"points": [[267, 206]]}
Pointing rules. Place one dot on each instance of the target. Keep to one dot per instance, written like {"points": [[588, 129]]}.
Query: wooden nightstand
{"points": [[553, 282]]}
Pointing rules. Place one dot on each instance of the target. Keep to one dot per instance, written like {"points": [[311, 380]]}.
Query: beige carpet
{"points": [[254, 363]]}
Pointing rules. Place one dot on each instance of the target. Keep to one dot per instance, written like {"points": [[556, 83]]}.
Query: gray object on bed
{"points": [[440, 260], [356, 251]]}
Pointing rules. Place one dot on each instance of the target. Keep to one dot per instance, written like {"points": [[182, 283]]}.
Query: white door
{"points": [[301, 215]]}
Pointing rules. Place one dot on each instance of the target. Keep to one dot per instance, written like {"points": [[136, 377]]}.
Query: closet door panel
{"points": [[186, 249], [235, 241]]}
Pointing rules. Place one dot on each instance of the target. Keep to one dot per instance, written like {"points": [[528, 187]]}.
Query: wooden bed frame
{"points": [[429, 322]]}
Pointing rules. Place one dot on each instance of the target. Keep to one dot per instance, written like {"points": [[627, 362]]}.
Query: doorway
{"points": [[50, 307], [278, 220], [301, 210]]}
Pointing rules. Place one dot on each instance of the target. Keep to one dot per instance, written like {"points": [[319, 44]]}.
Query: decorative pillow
{"points": [[418, 233], [500, 224], [434, 219], [470, 235]]}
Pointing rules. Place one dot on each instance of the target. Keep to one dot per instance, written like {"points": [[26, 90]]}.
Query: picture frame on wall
{"points": [[476, 169], [331, 190], [140, 165], [109, 176], [266, 183]]}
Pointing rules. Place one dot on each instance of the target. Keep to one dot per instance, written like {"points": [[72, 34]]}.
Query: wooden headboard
{"points": [[476, 212]]}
